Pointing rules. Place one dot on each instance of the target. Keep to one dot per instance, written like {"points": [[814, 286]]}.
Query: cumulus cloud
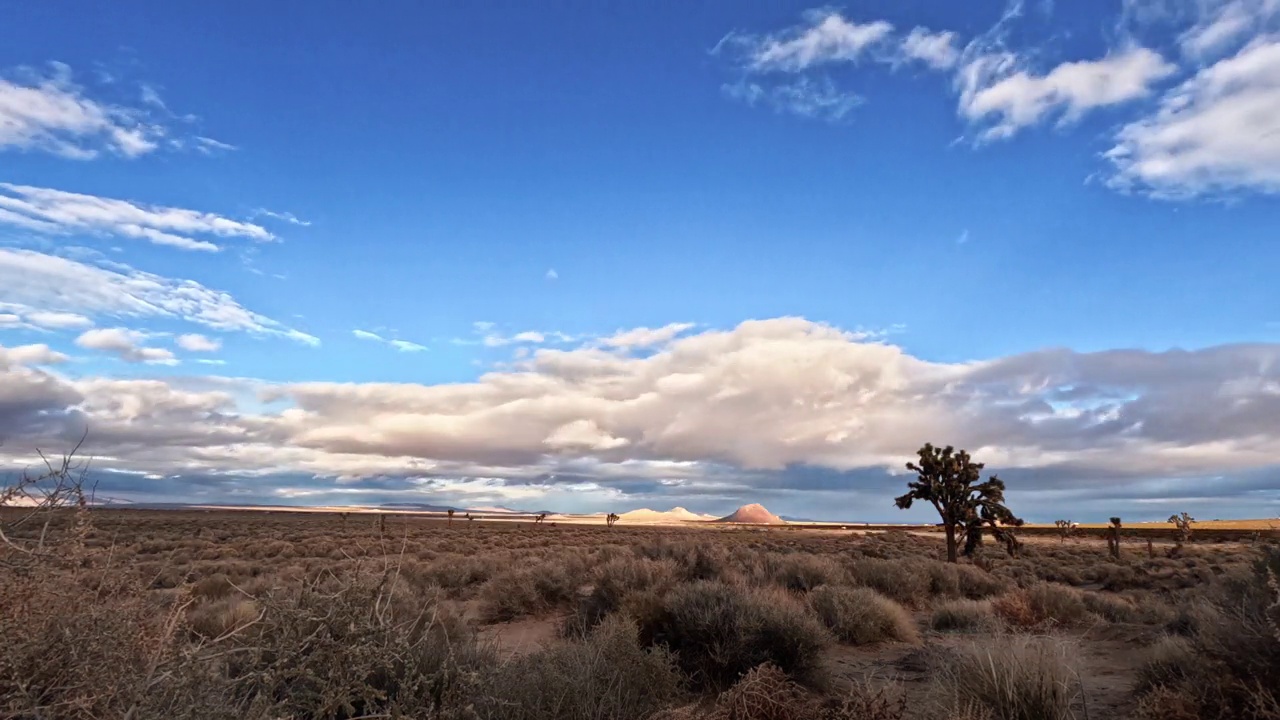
{"points": [[645, 337], [1222, 25], [1217, 131], [767, 408], [998, 90], [195, 342], [125, 344], [58, 284], [39, 354], [46, 111], [55, 211]]}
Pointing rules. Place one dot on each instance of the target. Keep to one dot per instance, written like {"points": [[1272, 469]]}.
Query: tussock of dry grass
{"points": [[1009, 678], [862, 616]]}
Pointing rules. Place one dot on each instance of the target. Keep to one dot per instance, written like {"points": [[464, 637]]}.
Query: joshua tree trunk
{"points": [[951, 542]]}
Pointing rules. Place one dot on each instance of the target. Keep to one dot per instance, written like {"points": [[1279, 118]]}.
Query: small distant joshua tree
{"points": [[382, 522], [450, 516], [469, 518], [344, 516], [952, 483], [1065, 529], [611, 519], [1113, 538], [538, 520], [1183, 524]]}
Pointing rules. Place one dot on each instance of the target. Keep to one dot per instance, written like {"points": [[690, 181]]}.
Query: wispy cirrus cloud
{"points": [[401, 345], [46, 111], [51, 283], [50, 211]]}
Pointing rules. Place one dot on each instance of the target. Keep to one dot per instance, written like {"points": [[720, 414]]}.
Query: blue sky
{"points": [[290, 253]]}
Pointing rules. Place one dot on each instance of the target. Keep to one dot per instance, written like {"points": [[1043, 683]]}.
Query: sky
{"points": [[604, 256]]}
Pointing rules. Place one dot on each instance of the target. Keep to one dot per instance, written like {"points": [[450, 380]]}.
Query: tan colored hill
{"points": [[753, 514], [646, 516]]}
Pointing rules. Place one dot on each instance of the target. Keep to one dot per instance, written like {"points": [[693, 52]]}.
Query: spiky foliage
{"points": [[1113, 538], [450, 511], [611, 519], [950, 481], [540, 517], [1183, 524], [1065, 529]]}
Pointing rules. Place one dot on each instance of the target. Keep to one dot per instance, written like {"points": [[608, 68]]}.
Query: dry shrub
{"points": [[1042, 604], [802, 572], [904, 582], [606, 675], [214, 619], [719, 631], [1010, 678], [351, 647], [764, 693], [621, 583], [66, 651], [1169, 662], [964, 616], [862, 616], [1167, 703], [697, 560], [1112, 607], [516, 593]]}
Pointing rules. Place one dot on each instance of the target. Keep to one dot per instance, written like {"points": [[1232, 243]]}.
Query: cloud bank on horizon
{"points": [[362, 359]]}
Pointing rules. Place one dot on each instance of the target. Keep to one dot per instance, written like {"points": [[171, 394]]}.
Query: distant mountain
{"points": [[753, 514], [419, 507], [674, 515]]}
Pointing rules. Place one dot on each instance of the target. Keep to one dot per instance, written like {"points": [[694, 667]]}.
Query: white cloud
{"points": [[552, 274], [55, 211], [996, 88], [1223, 24], [17, 315], [125, 344], [29, 355], [48, 112], [401, 345], [825, 37], [209, 146], [752, 400], [807, 97], [1217, 131], [57, 284], [938, 50], [195, 342], [645, 337], [282, 216]]}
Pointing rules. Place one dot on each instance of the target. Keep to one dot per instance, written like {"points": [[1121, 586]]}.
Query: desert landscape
{"points": [[241, 613]]}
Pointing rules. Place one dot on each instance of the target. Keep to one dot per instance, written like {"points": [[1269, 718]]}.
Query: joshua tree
{"points": [[611, 519], [382, 523], [344, 515], [1183, 524], [1065, 528], [450, 516], [538, 520], [952, 483], [1113, 538], [469, 518]]}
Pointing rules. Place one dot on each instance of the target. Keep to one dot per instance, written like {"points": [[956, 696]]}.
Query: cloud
{"points": [[938, 50], [29, 355], [1218, 131], [779, 408], [552, 274], [58, 284], [807, 97], [57, 212], [826, 36], [195, 342], [17, 315], [46, 111], [1223, 24], [646, 337], [125, 344], [401, 345], [209, 146], [996, 88], [282, 216]]}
